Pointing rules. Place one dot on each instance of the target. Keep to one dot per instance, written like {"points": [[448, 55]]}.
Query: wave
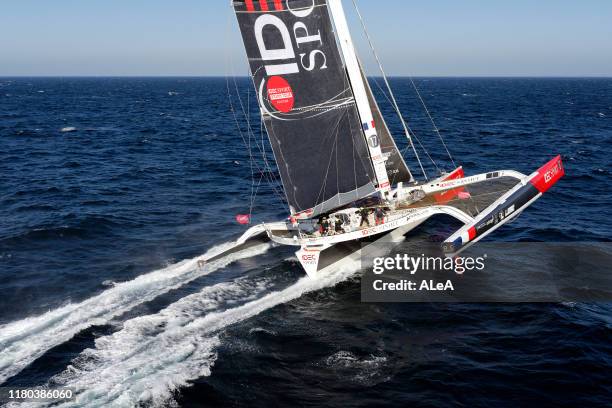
{"points": [[23, 341], [153, 356], [42, 234], [72, 227], [366, 371]]}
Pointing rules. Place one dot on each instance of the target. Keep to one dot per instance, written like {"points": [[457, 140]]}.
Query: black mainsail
{"points": [[307, 103]]}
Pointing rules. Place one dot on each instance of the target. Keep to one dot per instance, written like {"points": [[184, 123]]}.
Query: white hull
{"points": [[402, 220], [396, 235], [397, 224]]}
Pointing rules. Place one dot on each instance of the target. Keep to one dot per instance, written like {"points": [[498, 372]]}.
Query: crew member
{"points": [[380, 215], [339, 229], [324, 226], [365, 214]]}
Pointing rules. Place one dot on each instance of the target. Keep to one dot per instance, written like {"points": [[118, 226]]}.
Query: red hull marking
{"points": [[278, 5], [264, 5], [446, 196], [548, 175], [249, 5], [472, 233]]}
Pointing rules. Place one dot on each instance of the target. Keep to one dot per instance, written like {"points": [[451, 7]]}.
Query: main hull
{"points": [[351, 252]]}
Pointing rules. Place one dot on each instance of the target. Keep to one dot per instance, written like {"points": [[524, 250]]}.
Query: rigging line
{"points": [[450, 156], [265, 158], [283, 194], [241, 134], [250, 129], [248, 122], [334, 133], [337, 171], [411, 132], [254, 189], [255, 195], [233, 110], [264, 154], [252, 198], [271, 177], [395, 105], [354, 150]]}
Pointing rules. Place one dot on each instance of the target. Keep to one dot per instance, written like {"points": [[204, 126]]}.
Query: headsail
{"points": [[396, 166], [307, 103]]}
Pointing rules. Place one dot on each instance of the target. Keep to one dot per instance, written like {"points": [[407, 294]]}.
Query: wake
{"points": [[23, 341], [155, 355]]}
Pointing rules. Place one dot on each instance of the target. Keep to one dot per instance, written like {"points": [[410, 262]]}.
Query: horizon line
{"points": [[370, 76]]}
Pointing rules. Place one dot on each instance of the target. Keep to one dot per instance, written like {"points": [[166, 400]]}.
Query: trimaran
{"points": [[344, 178]]}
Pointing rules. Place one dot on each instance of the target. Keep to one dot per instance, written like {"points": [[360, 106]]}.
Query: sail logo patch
{"points": [[280, 94], [374, 141]]}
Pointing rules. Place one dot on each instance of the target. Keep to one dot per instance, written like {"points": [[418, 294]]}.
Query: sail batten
{"points": [[307, 103]]}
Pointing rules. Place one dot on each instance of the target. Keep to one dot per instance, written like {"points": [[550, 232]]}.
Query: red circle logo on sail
{"points": [[280, 94]]}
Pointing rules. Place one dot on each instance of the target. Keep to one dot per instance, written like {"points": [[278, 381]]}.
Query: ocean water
{"points": [[111, 188]]}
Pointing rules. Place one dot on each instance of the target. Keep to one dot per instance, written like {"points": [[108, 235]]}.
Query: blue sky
{"points": [[189, 37]]}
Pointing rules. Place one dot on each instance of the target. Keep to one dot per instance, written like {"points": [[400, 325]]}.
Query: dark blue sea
{"points": [[111, 188]]}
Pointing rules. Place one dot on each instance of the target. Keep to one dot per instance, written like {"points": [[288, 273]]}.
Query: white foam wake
{"points": [[155, 355], [23, 341]]}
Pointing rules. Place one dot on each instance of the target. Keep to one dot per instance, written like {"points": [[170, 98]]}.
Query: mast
{"points": [[359, 90]]}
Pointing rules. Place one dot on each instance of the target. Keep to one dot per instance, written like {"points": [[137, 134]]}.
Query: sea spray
{"points": [[132, 367], [24, 341]]}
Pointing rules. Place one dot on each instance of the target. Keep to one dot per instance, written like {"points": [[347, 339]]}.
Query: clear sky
{"points": [[198, 37]]}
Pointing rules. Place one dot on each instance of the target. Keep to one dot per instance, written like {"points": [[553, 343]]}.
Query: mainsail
{"points": [[307, 103]]}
